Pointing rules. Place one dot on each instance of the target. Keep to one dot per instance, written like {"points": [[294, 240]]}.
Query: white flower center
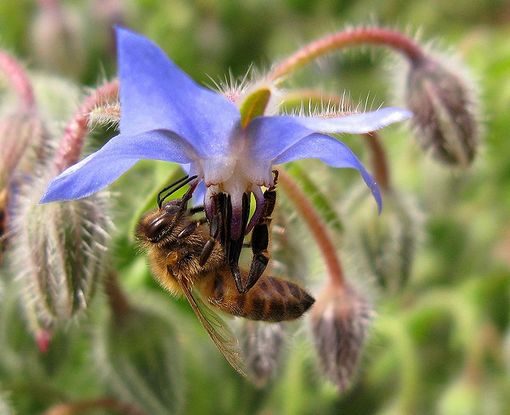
{"points": [[238, 172]]}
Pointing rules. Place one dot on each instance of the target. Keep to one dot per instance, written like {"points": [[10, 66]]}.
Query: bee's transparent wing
{"points": [[218, 330]]}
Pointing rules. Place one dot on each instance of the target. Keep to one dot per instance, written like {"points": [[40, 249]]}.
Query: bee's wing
{"points": [[217, 329]]}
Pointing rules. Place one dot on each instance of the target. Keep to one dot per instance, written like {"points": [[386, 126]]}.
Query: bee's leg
{"points": [[260, 239], [211, 242], [188, 230]]}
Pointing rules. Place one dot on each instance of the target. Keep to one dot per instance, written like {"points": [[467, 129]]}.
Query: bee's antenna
{"points": [[183, 181]]}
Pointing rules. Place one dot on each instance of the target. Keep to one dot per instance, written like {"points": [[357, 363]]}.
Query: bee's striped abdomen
{"points": [[271, 299]]}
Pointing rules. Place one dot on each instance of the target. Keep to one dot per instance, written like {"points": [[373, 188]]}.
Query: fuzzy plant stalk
{"points": [[17, 79], [317, 228], [341, 315], [117, 299], [359, 36], [22, 137], [437, 90], [75, 133]]}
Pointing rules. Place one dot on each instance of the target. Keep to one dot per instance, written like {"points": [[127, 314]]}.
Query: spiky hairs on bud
{"points": [[23, 139], [444, 107], [340, 320], [262, 344], [57, 252]]}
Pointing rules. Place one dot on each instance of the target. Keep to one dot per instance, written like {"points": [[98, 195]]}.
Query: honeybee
{"points": [[176, 244]]}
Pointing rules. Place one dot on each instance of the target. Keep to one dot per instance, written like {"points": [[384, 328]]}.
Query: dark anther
{"points": [[236, 245], [260, 237], [173, 188]]}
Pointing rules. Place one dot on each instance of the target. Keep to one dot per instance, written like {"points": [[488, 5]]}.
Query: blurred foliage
{"points": [[440, 343]]}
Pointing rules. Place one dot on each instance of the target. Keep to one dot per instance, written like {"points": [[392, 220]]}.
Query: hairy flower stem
{"points": [[345, 38], [315, 98], [76, 130], [107, 404], [118, 301], [18, 79], [316, 226]]}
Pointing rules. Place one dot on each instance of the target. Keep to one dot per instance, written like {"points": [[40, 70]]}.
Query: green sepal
{"points": [[254, 105]]}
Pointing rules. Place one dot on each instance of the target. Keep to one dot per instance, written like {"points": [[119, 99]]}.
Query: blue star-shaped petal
{"points": [[167, 116]]}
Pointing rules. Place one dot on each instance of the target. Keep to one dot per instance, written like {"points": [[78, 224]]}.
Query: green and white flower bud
{"points": [[262, 345], [340, 319], [139, 358], [384, 245], [57, 252], [445, 113]]}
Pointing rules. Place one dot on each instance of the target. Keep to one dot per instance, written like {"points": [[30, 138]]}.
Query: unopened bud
{"points": [[340, 320], [57, 251], [139, 356], [262, 345], [444, 110]]}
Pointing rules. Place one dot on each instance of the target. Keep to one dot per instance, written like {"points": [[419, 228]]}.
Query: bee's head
{"points": [[160, 223]]}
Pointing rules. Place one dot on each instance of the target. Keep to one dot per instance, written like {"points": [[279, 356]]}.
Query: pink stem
{"points": [[349, 37], [76, 130], [316, 226], [18, 79]]}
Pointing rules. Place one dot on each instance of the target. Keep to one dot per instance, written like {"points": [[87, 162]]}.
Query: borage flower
{"points": [[167, 116]]}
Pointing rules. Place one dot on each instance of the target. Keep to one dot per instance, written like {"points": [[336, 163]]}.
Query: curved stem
{"points": [[380, 165], [379, 161], [85, 406], [350, 37], [316, 226], [18, 79], [119, 303], [76, 130]]}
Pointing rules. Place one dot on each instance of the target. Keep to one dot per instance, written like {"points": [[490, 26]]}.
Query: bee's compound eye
{"points": [[158, 228]]}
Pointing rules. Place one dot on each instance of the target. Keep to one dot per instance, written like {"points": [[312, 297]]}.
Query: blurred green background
{"points": [[441, 341]]}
